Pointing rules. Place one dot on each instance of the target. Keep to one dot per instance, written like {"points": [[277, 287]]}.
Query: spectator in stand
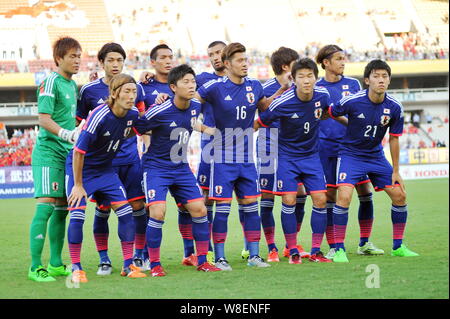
{"points": [[429, 118], [416, 120], [422, 144]]}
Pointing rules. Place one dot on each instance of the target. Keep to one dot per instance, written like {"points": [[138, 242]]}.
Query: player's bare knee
{"points": [[319, 200], [137, 204], [399, 198], [267, 196], [331, 195]]}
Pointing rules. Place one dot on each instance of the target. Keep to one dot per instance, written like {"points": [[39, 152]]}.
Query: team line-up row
{"points": [[328, 141]]}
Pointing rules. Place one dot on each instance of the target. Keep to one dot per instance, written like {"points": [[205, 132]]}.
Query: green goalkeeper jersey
{"points": [[57, 96]]}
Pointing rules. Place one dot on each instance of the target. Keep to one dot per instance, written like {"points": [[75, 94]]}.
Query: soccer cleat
{"points": [[319, 258], [222, 263], [273, 256], [104, 269], [207, 267], [190, 261], [340, 256], [245, 253], [403, 251], [286, 252], [210, 257], [158, 271], [138, 262], [132, 271], [58, 271], [257, 261], [302, 252], [79, 276], [330, 254], [40, 274], [295, 259], [146, 265], [369, 249]]}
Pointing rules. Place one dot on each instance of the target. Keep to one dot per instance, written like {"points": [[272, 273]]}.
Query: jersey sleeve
{"points": [[273, 112], [140, 98], [150, 120], [88, 134], [259, 91], [46, 97], [207, 90], [82, 106], [396, 124]]}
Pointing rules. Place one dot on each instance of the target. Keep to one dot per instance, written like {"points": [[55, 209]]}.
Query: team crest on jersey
{"points": [[202, 179], [251, 97], [318, 113], [345, 93], [126, 132], [55, 186], [280, 184], [342, 176], [345, 87], [264, 182], [218, 189], [151, 194], [385, 119], [317, 103], [248, 88], [386, 111]]}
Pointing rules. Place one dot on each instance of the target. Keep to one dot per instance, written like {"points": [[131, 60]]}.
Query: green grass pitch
{"points": [[426, 276]]}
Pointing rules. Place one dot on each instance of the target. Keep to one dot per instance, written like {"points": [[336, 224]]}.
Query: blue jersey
{"points": [[101, 138], [96, 93], [331, 130], [234, 112], [208, 118], [299, 121], [270, 87], [368, 123], [152, 89], [171, 129]]}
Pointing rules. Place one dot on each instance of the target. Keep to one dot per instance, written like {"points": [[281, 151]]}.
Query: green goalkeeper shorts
{"points": [[48, 181]]}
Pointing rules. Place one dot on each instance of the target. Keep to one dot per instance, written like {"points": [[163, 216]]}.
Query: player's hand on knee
{"points": [[76, 196], [397, 179]]}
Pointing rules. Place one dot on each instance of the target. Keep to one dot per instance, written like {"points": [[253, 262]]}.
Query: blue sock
{"points": [[210, 212], [252, 227], [101, 233], [365, 218], [399, 215], [140, 226], [220, 229], [185, 227], [154, 238], [126, 233], [340, 219], [318, 226], [200, 230], [268, 222], [242, 220], [289, 225], [75, 237]]}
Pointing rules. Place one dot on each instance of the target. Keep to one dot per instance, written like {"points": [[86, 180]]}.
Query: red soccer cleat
{"points": [[273, 256], [190, 261], [295, 259], [158, 271], [302, 252], [319, 258], [207, 267]]}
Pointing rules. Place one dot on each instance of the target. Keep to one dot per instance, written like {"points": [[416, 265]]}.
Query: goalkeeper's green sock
{"points": [[56, 231], [38, 231]]}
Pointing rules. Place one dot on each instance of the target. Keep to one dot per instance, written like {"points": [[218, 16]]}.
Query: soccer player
{"points": [[299, 111], [166, 167], [332, 59], [281, 61], [90, 170], [161, 59], [126, 163], [57, 98], [215, 58], [370, 113], [235, 99]]}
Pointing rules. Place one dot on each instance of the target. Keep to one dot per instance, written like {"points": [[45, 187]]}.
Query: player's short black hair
{"points": [[110, 47], [214, 43], [282, 56], [305, 63], [376, 64], [154, 51], [178, 72], [62, 46], [326, 53]]}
